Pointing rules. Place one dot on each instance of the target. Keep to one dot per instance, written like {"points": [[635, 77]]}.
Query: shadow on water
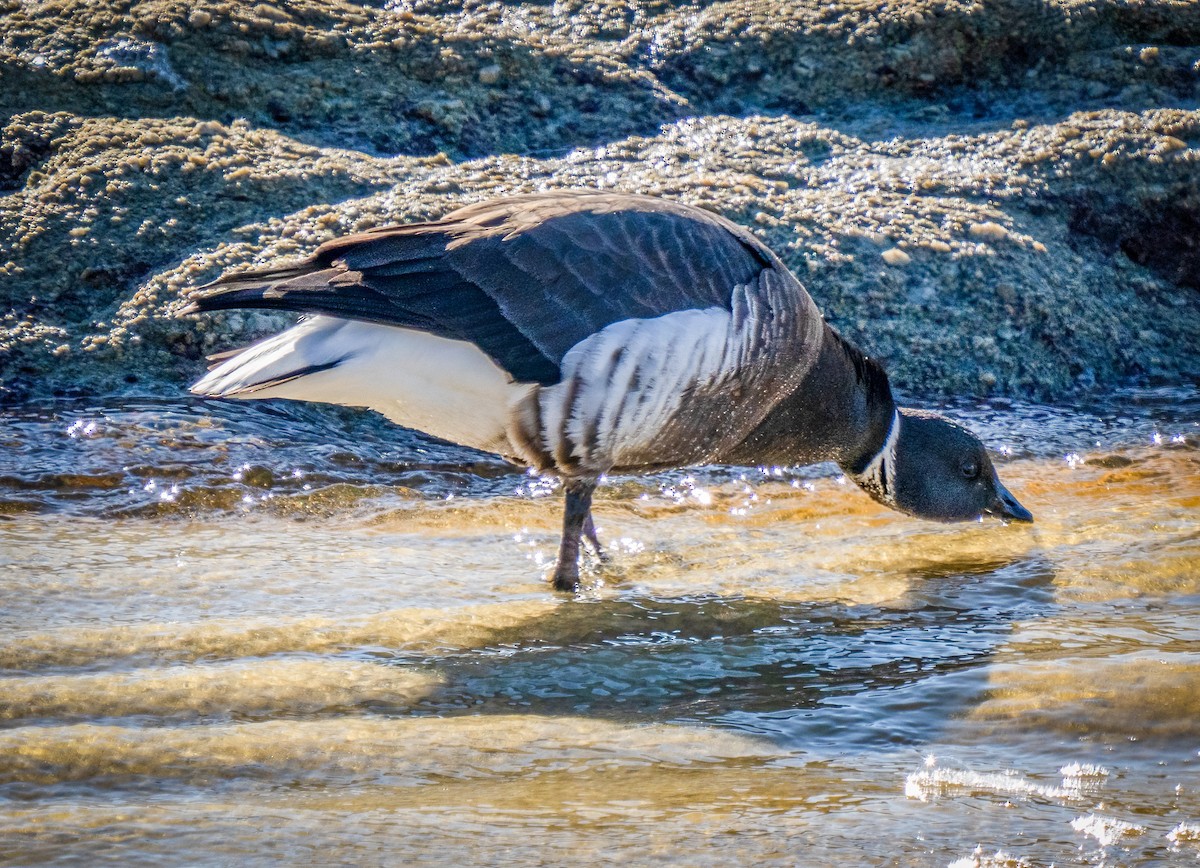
{"points": [[162, 458], [820, 675]]}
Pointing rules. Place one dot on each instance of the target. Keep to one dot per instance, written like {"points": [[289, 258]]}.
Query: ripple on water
{"points": [[160, 458], [262, 634]]}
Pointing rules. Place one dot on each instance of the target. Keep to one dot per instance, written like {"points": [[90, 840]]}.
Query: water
{"points": [[255, 634]]}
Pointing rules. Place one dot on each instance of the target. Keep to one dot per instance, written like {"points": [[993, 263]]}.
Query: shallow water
{"points": [[254, 634]]}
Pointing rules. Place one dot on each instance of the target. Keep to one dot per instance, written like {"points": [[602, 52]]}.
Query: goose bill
{"points": [[1008, 508]]}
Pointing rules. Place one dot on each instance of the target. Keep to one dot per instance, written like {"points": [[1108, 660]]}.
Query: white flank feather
{"points": [[622, 385], [446, 388]]}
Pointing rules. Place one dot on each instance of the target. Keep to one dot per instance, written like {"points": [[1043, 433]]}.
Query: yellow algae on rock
{"points": [[246, 687], [883, 123], [409, 751], [988, 231]]}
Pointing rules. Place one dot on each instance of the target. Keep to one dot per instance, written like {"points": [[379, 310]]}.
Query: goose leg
{"points": [[576, 515], [589, 533]]}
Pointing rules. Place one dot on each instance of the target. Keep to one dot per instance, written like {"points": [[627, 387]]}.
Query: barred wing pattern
{"points": [[609, 331], [524, 279]]}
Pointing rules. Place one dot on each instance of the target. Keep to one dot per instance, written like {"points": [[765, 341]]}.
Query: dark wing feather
{"points": [[524, 278]]}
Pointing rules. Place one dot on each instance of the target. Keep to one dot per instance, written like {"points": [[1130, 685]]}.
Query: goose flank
{"points": [[585, 333]]}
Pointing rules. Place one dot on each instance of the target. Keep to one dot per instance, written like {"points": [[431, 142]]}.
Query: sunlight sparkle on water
{"points": [[369, 666], [82, 428], [1185, 831], [1106, 830]]}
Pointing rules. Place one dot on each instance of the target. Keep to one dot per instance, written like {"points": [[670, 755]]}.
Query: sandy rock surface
{"points": [[995, 198]]}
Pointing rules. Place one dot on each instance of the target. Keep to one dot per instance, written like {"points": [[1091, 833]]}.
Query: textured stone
{"points": [[1025, 166]]}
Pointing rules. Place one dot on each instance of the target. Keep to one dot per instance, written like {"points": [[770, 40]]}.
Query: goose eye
{"points": [[970, 469]]}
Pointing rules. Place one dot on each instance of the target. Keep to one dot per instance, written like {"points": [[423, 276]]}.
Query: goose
{"points": [[587, 333]]}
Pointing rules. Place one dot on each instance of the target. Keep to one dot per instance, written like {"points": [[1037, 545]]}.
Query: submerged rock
{"points": [[989, 200]]}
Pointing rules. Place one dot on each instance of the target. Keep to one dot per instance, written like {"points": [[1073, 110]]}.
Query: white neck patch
{"points": [[879, 476]]}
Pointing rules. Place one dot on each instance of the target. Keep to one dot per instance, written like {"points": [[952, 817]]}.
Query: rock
{"points": [[127, 174], [125, 59], [988, 231]]}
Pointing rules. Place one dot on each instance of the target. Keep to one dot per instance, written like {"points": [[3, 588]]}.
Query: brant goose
{"points": [[585, 333]]}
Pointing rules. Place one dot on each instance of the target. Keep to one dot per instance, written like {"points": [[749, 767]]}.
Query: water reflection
{"points": [[161, 458], [153, 457], [262, 634], [810, 675]]}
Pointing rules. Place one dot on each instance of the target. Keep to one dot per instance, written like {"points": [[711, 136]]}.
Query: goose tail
{"points": [[249, 288], [262, 370]]}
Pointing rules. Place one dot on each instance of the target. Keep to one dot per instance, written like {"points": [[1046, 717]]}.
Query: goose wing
{"points": [[525, 278], [678, 389]]}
